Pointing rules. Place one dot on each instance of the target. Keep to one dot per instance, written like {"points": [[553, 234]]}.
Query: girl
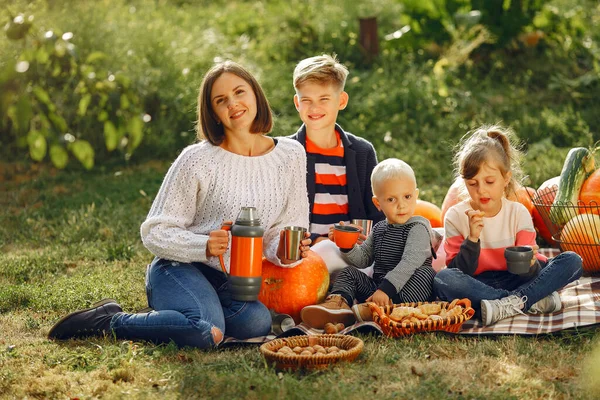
{"points": [[236, 166], [478, 230]]}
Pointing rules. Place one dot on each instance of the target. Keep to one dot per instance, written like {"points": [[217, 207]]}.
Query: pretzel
{"points": [[399, 313]]}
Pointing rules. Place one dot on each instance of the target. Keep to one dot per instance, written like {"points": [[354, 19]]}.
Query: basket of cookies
{"points": [[311, 352], [408, 318]]}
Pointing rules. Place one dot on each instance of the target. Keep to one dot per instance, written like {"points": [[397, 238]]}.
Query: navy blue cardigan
{"points": [[360, 159]]}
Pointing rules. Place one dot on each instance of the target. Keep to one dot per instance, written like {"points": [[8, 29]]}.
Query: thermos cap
{"points": [[248, 216]]}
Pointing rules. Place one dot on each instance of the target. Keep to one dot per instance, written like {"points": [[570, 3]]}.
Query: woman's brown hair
{"points": [[207, 126]]}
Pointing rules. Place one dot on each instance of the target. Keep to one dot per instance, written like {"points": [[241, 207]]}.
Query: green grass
{"points": [[65, 248]]}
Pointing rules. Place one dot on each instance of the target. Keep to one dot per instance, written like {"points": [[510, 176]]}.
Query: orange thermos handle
{"points": [[225, 227]]}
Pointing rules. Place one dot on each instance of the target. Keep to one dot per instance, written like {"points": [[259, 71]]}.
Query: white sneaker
{"points": [[495, 310], [548, 304]]}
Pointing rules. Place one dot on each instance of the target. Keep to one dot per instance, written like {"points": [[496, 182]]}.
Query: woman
{"points": [[236, 165]]}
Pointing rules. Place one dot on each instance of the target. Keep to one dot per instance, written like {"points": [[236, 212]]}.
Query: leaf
{"points": [[59, 122], [134, 128], [111, 136], [83, 151], [37, 145], [23, 114], [124, 102], [96, 55], [42, 96], [84, 103], [58, 156]]}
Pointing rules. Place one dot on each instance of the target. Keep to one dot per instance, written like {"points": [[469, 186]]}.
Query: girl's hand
{"points": [[535, 248], [304, 248], [380, 298], [475, 224], [218, 240]]}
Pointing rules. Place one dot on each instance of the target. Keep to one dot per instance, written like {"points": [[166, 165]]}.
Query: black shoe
{"points": [[93, 321]]}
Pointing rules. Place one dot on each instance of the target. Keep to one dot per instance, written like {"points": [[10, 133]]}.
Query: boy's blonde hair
{"points": [[489, 142], [322, 69], [389, 169]]}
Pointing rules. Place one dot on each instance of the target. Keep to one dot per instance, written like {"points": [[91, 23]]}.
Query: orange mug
{"points": [[345, 236]]}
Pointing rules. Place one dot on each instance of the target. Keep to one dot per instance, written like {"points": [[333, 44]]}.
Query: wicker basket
{"points": [[582, 238], [391, 328], [350, 347]]}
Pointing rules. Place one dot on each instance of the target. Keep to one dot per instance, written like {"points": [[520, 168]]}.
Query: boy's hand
{"points": [[304, 248], [475, 224], [362, 237], [380, 298]]}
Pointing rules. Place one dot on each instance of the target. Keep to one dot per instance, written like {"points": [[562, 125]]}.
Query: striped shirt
{"points": [[398, 250], [331, 194]]}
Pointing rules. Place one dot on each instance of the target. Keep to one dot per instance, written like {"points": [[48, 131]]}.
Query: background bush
{"points": [[444, 67]]}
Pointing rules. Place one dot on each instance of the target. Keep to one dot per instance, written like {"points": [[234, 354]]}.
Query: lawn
{"points": [[70, 238]]}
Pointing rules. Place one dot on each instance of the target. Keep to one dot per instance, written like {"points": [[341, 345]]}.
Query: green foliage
{"points": [[55, 102]]}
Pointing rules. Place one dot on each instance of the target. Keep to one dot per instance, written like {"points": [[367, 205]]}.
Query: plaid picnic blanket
{"points": [[581, 307]]}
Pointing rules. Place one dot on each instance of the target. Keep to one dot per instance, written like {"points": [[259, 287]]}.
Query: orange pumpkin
{"points": [[544, 197], [590, 193], [524, 195], [289, 290], [430, 211], [582, 235]]}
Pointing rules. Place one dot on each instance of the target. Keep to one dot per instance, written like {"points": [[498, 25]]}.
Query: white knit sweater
{"points": [[207, 185]]}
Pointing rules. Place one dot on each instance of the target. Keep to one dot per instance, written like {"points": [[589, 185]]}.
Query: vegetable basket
{"points": [[347, 349], [581, 231], [398, 320]]}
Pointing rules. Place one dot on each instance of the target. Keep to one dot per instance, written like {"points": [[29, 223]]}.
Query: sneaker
{"points": [[362, 312], [548, 304], [495, 310], [334, 309], [93, 321]]}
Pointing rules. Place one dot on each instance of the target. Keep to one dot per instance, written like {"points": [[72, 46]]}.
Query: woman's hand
{"points": [[380, 298], [475, 224], [218, 240], [304, 248]]}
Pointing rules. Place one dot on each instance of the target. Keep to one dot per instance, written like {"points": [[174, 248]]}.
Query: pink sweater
{"points": [[512, 226]]}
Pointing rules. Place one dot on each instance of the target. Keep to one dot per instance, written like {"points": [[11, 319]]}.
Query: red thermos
{"points": [[245, 265]]}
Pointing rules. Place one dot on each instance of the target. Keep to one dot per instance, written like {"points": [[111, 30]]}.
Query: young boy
{"points": [[339, 163], [400, 247]]}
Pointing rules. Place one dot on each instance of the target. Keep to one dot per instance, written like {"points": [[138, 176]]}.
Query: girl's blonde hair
{"points": [[489, 143]]}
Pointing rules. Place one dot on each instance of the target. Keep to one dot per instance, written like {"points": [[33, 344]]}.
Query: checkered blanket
{"points": [[581, 307]]}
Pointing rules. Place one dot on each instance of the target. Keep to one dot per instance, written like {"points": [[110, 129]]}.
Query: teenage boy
{"points": [[339, 164]]}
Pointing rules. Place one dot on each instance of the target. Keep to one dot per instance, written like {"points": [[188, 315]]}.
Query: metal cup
{"points": [[292, 236], [281, 323], [365, 224]]}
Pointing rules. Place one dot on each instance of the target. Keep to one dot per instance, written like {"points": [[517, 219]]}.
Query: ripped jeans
{"points": [[188, 300], [557, 272]]}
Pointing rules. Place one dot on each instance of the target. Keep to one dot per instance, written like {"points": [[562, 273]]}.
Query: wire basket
{"points": [[450, 323], [574, 227]]}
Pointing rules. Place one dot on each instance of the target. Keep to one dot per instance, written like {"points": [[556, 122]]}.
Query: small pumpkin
{"points": [[590, 193], [289, 290], [430, 211], [582, 235], [451, 197]]}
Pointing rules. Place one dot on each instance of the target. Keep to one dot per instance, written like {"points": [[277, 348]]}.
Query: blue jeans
{"points": [[557, 272], [188, 300]]}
